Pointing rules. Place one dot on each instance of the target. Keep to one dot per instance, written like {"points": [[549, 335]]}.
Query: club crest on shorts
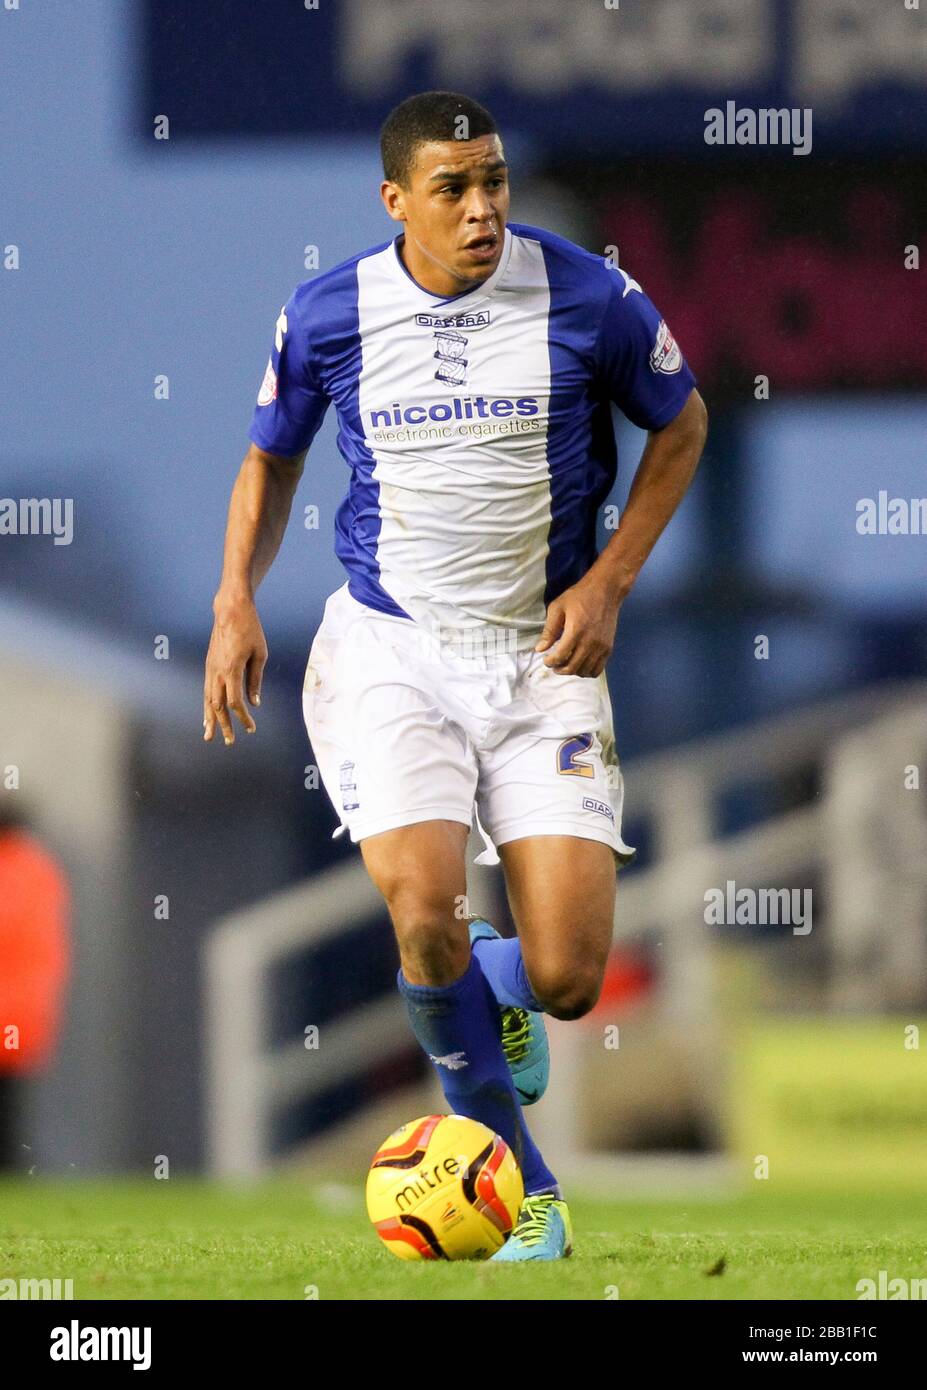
{"points": [[665, 356], [349, 801]]}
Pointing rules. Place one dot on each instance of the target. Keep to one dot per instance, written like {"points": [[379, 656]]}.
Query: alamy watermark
{"points": [[87, 1343], [742, 125], [37, 1289], [731, 906], [891, 516], [885, 1288], [38, 516]]}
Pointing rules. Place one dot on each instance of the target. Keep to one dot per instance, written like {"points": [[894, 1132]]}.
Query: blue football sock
{"points": [[504, 968], [458, 1025]]}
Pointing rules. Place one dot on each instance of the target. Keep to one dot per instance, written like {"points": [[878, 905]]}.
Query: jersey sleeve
{"points": [[292, 402], [639, 363]]}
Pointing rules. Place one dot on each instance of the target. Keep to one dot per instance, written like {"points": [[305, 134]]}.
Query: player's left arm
{"points": [[642, 369], [586, 615]]}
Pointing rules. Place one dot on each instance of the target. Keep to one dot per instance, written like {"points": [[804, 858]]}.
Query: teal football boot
{"points": [[524, 1037], [543, 1231]]}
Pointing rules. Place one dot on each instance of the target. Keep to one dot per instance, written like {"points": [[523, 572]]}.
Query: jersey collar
{"points": [[458, 301]]}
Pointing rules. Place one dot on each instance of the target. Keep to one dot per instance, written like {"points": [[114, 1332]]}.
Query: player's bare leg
{"points": [[421, 872], [562, 893]]}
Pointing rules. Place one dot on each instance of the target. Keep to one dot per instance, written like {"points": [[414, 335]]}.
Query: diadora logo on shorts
{"points": [[479, 320], [591, 804], [666, 356]]}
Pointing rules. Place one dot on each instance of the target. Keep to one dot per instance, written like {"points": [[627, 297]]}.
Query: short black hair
{"points": [[424, 117]]}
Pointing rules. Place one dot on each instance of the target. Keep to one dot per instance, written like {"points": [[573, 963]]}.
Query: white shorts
{"points": [[406, 728]]}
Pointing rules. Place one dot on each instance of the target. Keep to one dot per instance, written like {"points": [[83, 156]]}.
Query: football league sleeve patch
{"points": [[639, 361], [291, 401]]}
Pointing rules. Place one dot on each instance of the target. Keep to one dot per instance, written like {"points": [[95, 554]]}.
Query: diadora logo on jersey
{"points": [[460, 408], [629, 283], [591, 804], [665, 356], [280, 328], [450, 343], [453, 320], [268, 391]]}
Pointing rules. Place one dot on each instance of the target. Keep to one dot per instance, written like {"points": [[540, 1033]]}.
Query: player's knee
{"points": [[567, 994], [572, 1004], [419, 908], [430, 938]]}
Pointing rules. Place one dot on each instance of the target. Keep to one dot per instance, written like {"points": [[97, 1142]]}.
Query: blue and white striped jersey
{"points": [[477, 428]]}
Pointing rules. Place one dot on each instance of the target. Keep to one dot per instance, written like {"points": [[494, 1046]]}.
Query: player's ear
{"points": [[393, 200]]}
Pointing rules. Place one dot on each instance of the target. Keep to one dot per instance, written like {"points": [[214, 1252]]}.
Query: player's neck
{"points": [[428, 273]]}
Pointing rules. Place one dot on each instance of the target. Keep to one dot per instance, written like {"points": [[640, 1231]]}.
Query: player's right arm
{"points": [[290, 407], [258, 514]]}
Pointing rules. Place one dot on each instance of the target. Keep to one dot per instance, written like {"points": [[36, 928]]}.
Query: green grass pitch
{"points": [[181, 1239]]}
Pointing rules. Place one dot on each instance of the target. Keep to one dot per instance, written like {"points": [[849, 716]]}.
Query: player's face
{"points": [[455, 208]]}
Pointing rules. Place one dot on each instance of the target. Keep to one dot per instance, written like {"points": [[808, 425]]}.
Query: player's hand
{"points": [[235, 662], [580, 629]]}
